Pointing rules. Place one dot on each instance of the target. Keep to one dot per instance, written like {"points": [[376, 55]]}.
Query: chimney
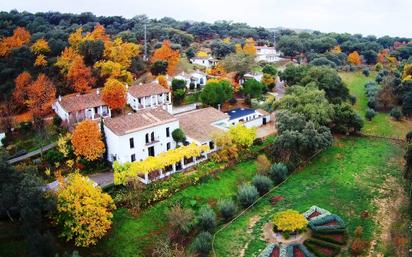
{"points": [[127, 86], [140, 84], [218, 107], [98, 91], [60, 98]]}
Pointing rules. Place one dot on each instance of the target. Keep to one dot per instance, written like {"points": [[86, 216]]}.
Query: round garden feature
{"points": [[315, 232]]}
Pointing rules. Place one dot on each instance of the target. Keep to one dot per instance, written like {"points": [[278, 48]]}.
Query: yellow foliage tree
{"points": [[87, 140], [114, 70], [354, 58], [202, 54], [336, 50], [121, 52], [238, 48], [83, 211], [122, 173], [40, 60], [249, 47], [289, 221], [40, 46], [63, 144], [65, 60], [242, 136], [407, 72]]}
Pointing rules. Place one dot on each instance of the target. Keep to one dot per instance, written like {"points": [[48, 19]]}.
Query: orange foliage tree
{"points": [[166, 53], [114, 94], [163, 81], [217, 70], [77, 37], [20, 93], [19, 38], [41, 95], [87, 140], [354, 58], [80, 76], [40, 60]]}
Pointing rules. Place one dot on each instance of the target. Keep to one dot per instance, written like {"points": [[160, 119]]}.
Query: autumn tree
{"points": [[87, 141], [21, 90], [354, 58], [114, 94], [41, 46], [80, 76], [166, 53], [121, 52], [40, 61], [249, 47], [19, 38], [84, 212], [41, 95], [163, 81], [114, 70], [217, 71]]}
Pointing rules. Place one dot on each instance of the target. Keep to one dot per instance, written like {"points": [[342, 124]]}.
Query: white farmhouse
{"points": [[141, 96], [78, 107], [200, 125], [207, 61], [267, 54], [136, 136], [248, 117], [197, 78]]}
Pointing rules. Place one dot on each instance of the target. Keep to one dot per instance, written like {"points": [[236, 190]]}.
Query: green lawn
{"points": [[345, 179], [382, 124], [131, 236]]}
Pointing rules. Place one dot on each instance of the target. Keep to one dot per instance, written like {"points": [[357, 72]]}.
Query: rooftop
{"points": [[140, 120], [240, 112], [197, 124], [77, 102], [148, 89]]}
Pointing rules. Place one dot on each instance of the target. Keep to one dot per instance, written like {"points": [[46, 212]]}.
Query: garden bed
{"points": [[322, 248]]}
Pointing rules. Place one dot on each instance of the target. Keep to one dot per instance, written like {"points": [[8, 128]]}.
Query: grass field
{"points": [[382, 124], [346, 179], [131, 236]]}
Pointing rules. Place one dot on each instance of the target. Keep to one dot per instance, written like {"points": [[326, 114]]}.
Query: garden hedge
{"points": [[314, 246]]}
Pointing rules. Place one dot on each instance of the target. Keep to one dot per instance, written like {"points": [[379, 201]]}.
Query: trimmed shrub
{"points": [[207, 218], [409, 136], [315, 246], [352, 99], [278, 172], [290, 250], [366, 72], [370, 113], [202, 244], [247, 194], [262, 183], [57, 121], [340, 237], [321, 224], [396, 113], [227, 208]]}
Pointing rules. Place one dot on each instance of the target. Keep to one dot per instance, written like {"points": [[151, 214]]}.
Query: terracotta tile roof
{"points": [[147, 89], [197, 124], [77, 102], [146, 118]]}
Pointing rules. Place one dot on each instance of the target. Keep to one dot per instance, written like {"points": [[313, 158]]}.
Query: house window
{"points": [[167, 132], [131, 143], [152, 137], [147, 138], [133, 157], [151, 151], [211, 145], [168, 146]]}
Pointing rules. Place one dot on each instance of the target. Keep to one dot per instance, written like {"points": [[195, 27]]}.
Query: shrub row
{"points": [[328, 237], [315, 246], [267, 252], [291, 248], [320, 223]]}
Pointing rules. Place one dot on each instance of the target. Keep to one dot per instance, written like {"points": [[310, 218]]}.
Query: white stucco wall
{"points": [[2, 135], [119, 146], [58, 109]]}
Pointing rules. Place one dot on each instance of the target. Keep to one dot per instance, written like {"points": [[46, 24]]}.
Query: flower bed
{"points": [[322, 248], [298, 250], [272, 250], [335, 237], [315, 212], [327, 223]]}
